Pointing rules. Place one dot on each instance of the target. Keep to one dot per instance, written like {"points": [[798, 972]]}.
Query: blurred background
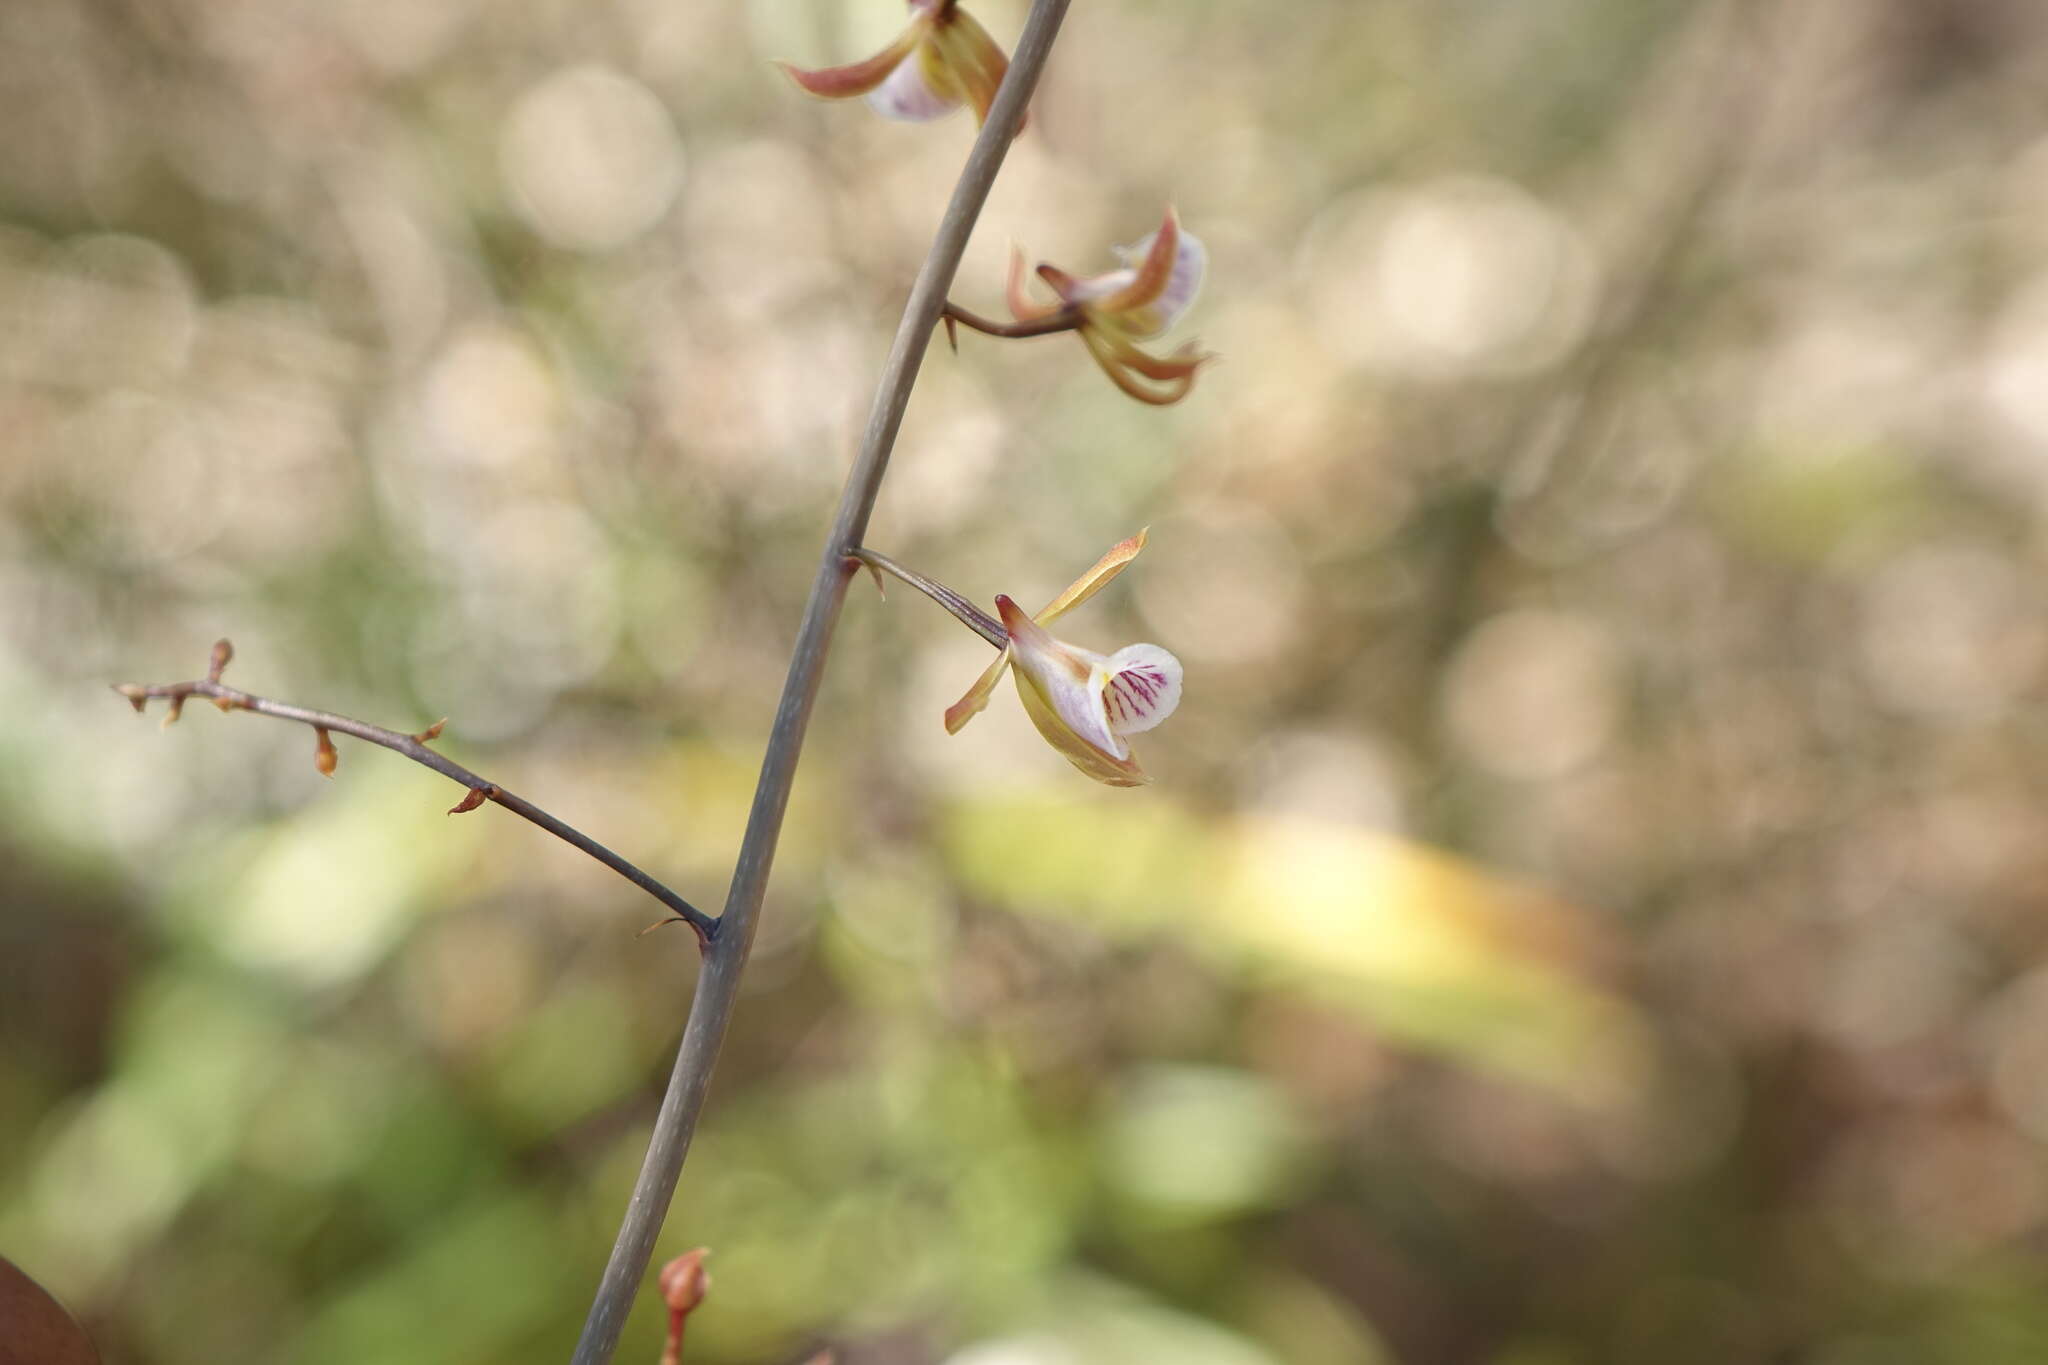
{"points": [[1590, 908]]}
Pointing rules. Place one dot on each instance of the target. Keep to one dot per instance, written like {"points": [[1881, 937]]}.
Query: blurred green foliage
{"points": [[1590, 909]]}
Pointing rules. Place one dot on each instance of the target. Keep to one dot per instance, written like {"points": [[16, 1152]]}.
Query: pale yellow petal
{"points": [[1092, 582], [973, 64], [976, 700]]}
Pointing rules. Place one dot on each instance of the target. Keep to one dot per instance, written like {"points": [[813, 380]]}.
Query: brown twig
{"points": [[414, 747], [718, 984]]}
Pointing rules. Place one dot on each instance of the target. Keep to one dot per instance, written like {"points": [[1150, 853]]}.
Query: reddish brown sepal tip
{"points": [[137, 695], [471, 799], [324, 755], [432, 732], [175, 709]]}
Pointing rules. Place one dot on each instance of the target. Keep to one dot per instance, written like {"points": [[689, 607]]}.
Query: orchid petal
{"points": [[1115, 772], [915, 91], [976, 699], [1092, 582], [1065, 679], [1141, 688], [1068, 287], [844, 82], [1183, 284], [1153, 272], [1095, 288], [1022, 306], [970, 58]]}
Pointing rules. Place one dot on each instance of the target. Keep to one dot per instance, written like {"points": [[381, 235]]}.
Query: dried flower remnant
{"points": [[942, 60], [1114, 311], [471, 799], [1084, 703]]}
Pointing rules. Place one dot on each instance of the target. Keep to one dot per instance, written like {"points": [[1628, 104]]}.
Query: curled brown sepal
{"points": [[471, 799], [684, 1284], [327, 724]]}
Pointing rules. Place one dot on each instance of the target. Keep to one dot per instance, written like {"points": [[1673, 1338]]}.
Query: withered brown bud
{"points": [[684, 1281], [222, 653], [324, 755], [471, 799], [174, 710], [683, 1286], [137, 695], [432, 732]]}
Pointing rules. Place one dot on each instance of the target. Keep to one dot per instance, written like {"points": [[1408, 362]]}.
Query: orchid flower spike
{"points": [[1114, 311], [943, 59]]}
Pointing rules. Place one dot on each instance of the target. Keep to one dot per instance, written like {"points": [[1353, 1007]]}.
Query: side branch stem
{"points": [[718, 983], [412, 747]]}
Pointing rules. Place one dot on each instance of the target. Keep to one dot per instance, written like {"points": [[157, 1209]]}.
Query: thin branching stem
{"points": [[718, 983], [414, 747]]}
